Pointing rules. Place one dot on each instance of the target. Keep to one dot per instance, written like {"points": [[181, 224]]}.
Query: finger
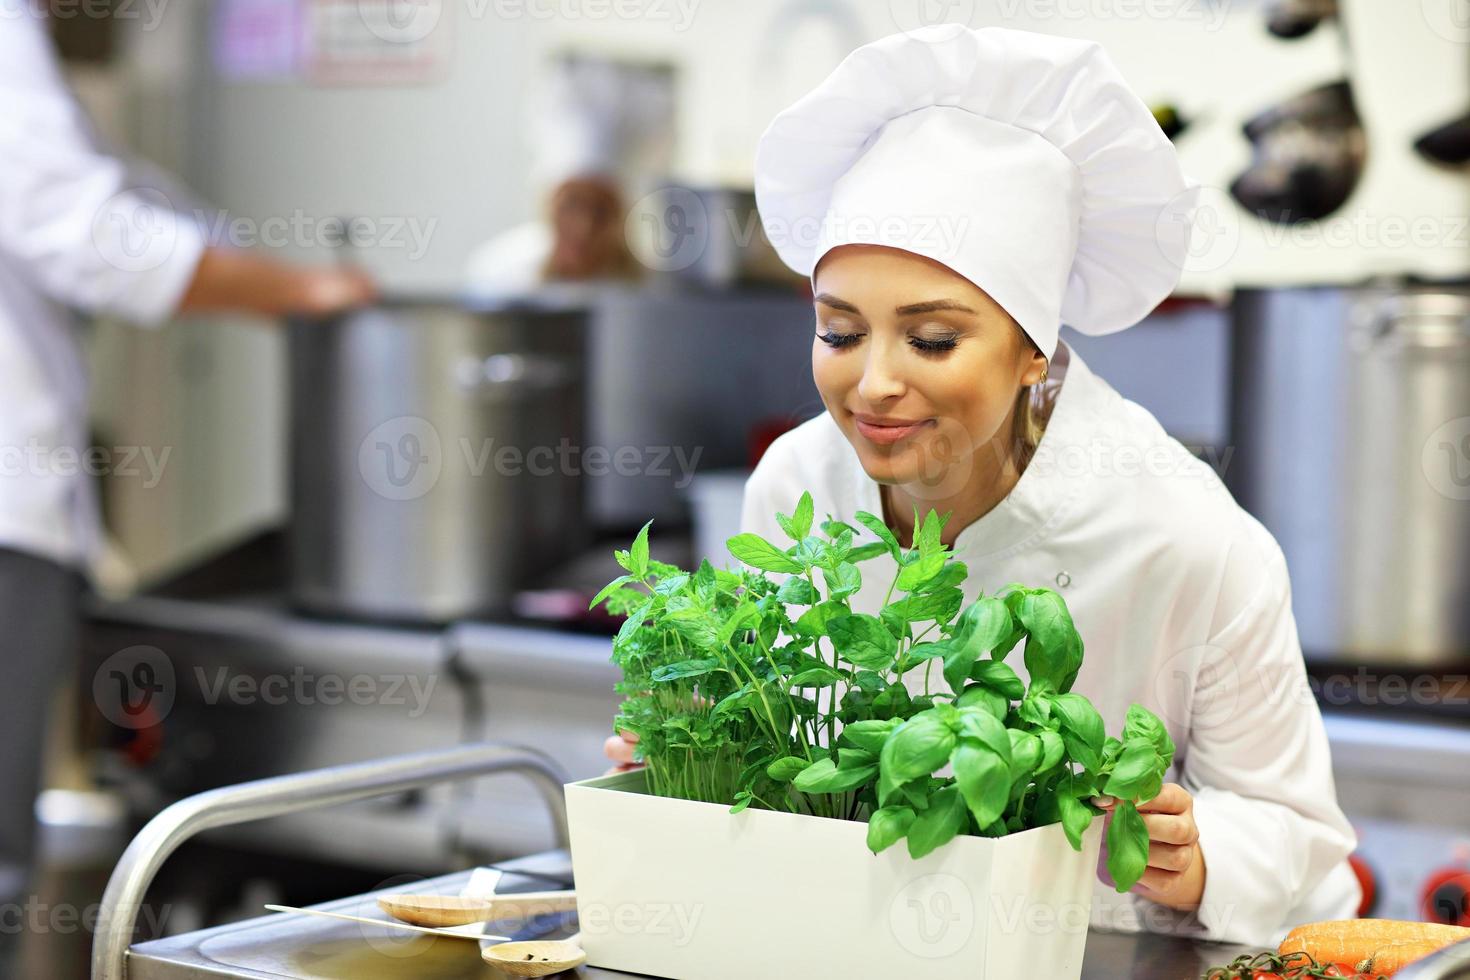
{"points": [[618, 749], [1158, 881], [1168, 828], [1170, 857], [1173, 798], [627, 735]]}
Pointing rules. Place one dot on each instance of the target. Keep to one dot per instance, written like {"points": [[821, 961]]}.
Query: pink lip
{"points": [[887, 434]]}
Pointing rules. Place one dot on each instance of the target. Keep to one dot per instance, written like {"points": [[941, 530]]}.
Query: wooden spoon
{"points": [[536, 957], [438, 911]]}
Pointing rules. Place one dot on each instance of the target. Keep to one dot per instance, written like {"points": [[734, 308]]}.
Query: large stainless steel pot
{"points": [[432, 457], [1352, 445]]}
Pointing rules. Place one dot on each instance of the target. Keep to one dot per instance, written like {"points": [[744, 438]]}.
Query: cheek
{"points": [[833, 375], [972, 393]]}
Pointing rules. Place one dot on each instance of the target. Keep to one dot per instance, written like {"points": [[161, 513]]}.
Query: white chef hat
{"points": [[591, 116], [1022, 161]]}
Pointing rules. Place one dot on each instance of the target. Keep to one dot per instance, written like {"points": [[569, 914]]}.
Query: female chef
{"points": [[956, 195]]}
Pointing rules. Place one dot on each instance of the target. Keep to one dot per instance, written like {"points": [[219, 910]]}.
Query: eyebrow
{"points": [[911, 309]]}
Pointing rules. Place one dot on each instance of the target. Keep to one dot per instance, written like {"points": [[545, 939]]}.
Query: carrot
{"points": [[1392, 957], [1389, 942]]}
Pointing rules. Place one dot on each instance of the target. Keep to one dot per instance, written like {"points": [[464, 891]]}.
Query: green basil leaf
{"points": [[985, 728], [957, 664], [944, 818], [916, 748], [887, 826], [1082, 729], [815, 677], [1035, 708], [784, 770], [823, 776], [876, 525], [757, 552], [980, 696], [869, 734], [1127, 846], [862, 640], [855, 758], [1135, 769], [983, 778], [1053, 647], [742, 800], [984, 627], [1025, 753], [1052, 749], [685, 668], [1076, 818], [1141, 721], [1000, 677], [894, 701]]}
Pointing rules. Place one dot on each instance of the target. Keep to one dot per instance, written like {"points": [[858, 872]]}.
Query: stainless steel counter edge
{"points": [[496, 652]]}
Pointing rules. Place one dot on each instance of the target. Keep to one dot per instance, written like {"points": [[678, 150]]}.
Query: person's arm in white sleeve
{"points": [[1259, 766], [85, 235]]}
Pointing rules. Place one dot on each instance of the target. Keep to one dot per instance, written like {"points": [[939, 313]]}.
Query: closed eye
{"points": [[839, 340]]}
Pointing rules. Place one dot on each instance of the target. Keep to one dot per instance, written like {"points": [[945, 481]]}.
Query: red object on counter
{"points": [[1369, 882], [760, 436], [1446, 897]]}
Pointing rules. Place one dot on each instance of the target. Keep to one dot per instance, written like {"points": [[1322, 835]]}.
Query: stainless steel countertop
{"points": [[287, 947]]}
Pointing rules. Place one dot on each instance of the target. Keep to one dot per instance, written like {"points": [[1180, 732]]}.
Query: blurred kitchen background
{"points": [[330, 501]]}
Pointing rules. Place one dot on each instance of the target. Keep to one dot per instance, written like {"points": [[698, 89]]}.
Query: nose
{"points": [[881, 380]]}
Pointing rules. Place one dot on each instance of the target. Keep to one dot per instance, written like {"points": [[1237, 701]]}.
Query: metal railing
{"points": [[280, 795]]}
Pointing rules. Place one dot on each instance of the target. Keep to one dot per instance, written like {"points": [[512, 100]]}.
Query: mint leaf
{"points": [[757, 552], [862, 640]]}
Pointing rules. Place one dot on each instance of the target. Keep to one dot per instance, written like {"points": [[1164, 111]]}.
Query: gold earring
{"points": [[1042, 381]]}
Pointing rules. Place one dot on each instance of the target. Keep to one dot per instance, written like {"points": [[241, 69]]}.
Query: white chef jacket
{"points": [[509, 264], [1183, 604], [75, 231]]}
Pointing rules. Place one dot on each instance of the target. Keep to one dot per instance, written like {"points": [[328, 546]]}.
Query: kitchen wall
{"points": [[444, 157]]}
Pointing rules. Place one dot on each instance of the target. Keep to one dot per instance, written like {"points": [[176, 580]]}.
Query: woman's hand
{"points": [[1175, 875], [619, 748]]}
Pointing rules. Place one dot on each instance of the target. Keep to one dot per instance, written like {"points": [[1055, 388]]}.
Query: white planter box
{"points": [[686, 890]]}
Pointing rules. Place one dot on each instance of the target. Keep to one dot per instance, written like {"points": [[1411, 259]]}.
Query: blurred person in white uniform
{"points": [[956, 195], [591, 123], [79, 234]]}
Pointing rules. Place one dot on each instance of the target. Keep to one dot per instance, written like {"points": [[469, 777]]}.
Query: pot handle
{"points": [[512, 373], [1434, 320]]}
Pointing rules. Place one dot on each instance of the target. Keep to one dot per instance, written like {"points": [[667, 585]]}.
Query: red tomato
{"points": [[1339, 970], [1264, 975]]}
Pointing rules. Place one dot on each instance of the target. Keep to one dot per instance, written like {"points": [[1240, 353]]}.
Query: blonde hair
{"points": [[1032, 410]]}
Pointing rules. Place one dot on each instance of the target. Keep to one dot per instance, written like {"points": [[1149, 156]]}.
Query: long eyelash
{"points": [[933, 346], [839, 339]]}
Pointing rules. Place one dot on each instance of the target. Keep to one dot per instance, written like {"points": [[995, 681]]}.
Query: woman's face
{"points": [[919, 367]]}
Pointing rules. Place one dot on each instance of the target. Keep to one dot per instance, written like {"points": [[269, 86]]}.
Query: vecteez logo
{"points": [[135, 687], [136, 230]]}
